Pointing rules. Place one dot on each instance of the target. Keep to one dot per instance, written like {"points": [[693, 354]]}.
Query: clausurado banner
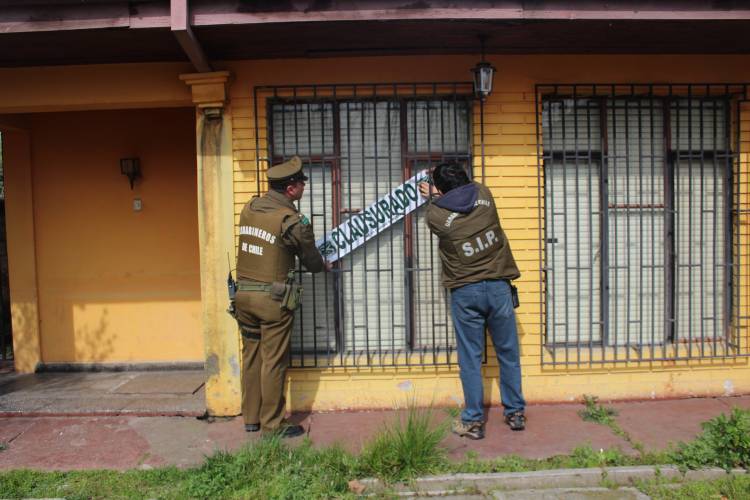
{"points": [[379, 216]]}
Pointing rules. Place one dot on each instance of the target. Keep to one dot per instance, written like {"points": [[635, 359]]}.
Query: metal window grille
{"points": [[643, 194], [383, 304]]}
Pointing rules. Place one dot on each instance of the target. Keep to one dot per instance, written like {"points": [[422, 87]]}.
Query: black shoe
{"points": [[252, 427], [516, 421], [288, 431]]}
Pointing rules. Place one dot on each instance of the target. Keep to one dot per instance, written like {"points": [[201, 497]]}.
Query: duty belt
{"points": [[253, 286]]}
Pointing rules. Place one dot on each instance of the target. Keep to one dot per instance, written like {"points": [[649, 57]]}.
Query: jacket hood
{"points": [[461, 199]]}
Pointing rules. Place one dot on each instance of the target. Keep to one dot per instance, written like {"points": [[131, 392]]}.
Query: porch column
{"points": [[19, 224], [216, 237]]}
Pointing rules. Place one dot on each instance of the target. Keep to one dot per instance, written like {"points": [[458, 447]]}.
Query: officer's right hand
{"points": [[427, 190], [328, 266]]}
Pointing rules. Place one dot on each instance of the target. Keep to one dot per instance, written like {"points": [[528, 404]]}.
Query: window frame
{"points": [[555, 352], [408, 159]]}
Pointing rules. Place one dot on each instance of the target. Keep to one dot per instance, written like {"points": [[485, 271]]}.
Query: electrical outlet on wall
{"points": [[137, 205]]}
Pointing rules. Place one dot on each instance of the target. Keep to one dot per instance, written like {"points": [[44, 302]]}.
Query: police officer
{"points": [[272, 232], [477, 268]]}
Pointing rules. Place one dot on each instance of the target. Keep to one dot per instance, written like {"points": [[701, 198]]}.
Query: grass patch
{"points": [[595, 412], [271, 469], [407, 448], [604, 415], [136, 484], [724, 442], [581, 457], [732, 487]]}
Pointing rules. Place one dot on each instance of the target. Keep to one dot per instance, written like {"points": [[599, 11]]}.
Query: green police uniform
{"points": [[473, 246], [272, 232]]}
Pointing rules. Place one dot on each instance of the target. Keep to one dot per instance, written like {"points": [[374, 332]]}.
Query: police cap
{"points": [[290, 170]]}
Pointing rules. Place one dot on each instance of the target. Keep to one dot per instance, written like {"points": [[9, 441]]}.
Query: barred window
{"points": [[639, 198], [384, 303]]}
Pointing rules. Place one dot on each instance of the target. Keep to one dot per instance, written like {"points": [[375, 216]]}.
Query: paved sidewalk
{"points": [[147, 419], [178, 392]]}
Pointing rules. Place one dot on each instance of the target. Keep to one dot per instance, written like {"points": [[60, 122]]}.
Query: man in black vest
{"points": [[478, 267]]}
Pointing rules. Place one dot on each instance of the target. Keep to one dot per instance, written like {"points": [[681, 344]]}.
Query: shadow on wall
{"points": [[93, 341], [25, 323], [6, 338]]}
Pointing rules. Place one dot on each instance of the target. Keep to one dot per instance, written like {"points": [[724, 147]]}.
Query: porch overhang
{"points": [[55, 32]]}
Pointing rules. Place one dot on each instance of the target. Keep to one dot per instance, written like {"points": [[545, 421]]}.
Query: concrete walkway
{"points": [[148, 419]]}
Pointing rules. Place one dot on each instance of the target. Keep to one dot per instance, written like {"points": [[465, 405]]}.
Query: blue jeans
{"points": [[473, 307]]}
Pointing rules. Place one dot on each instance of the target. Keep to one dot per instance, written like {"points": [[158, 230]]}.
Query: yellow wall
{"points": [[145, 306], [116, 285], [511, 173]]}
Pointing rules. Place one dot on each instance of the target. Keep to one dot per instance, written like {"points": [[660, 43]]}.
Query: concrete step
{"points": [[572, 482]]}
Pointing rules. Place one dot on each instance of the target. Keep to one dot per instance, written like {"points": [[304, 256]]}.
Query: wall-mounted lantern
{"points": [[484, 72], [131, 168]]}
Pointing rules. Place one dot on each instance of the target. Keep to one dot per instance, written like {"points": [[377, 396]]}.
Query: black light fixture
{"points": [[484, 72], [131, 168]]}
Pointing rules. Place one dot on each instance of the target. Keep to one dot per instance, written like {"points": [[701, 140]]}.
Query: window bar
{"points": [[716, 269], [670, 229], [566, 260], [549, 247], [446, 298], [652, 153], [731, 192], [690, 219], [407, 285], [542, 231], [628, 268], [326, 164], [339, 310], [442, 159], [701, 212], [347, 160], [390, 233], [590, 223], [614, 265], [445, 107], [604, 226], [294, 105], [376, 147], [312, 217], [578, 222], [364, 106], [413, 306], [640, 221]]}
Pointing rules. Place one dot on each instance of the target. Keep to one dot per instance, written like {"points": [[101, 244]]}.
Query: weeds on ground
{"points": [[406, 448], [732, 487], [581, 457], [595, 412], [724, 442], [271, 469]]}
